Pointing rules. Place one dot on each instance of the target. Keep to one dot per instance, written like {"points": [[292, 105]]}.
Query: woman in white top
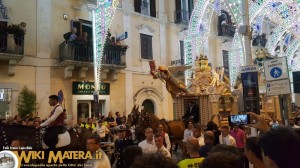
{"points": [[188, 133]]}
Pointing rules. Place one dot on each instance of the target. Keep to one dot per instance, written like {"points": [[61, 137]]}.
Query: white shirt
{"points": [[187, 134], [148, 148], [228, 140], [101, 131], [98, 163], [164, 152], [201, 140], [295, 126], [167, 140], [57, 112]]}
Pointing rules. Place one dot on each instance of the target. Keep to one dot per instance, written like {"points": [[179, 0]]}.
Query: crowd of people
{"points": [[25, 121], [204, 146]]}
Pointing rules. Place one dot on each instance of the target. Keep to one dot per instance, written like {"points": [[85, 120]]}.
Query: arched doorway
{"points": [[148, 106]]}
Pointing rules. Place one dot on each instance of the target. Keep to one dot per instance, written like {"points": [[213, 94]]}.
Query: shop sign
{"points": [[88, 88]]}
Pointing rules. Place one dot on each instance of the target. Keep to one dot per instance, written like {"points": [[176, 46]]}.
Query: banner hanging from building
{"points": [[249, 75]]}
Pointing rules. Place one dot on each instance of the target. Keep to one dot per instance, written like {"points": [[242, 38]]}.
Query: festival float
{"points": [[208, 88]]}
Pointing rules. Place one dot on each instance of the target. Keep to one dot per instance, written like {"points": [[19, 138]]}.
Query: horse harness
{"points": [[146, 118]]}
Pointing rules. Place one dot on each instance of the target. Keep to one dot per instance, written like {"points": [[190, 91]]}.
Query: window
{"points": [[146, 46], [145, 7], [226, 62], [5, 103], [181, 52], [183, 11]]}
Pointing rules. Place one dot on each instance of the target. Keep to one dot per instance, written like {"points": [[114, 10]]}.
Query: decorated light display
{"points": [[284, 13], [236, 57], [291, 50], [103, 16], [274, 39]]}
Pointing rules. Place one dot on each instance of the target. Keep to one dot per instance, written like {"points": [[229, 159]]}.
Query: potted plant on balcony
{"points": [[18, 30]]}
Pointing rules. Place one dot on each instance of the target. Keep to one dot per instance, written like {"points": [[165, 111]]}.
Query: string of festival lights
{"points": [[284, 13]]}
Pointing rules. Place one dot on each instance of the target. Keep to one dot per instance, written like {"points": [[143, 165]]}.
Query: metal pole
{"points": [[247, 37]]}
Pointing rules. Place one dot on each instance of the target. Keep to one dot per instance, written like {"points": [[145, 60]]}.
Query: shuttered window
{"points": [[181, 52], [146, 47], [226, 62]]}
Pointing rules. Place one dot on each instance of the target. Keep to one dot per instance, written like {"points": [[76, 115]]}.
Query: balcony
{"points": [[11, 50], [80, 55], [182, 17], [260, 41], [226, 30]]}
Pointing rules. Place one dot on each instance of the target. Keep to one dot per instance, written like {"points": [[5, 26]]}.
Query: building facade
{"points": [[45, 63]]}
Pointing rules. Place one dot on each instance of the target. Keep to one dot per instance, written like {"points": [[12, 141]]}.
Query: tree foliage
{"points": [[26, 102]]}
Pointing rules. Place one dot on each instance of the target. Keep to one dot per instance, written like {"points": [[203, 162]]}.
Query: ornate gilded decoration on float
{"points": [[203, 81]]}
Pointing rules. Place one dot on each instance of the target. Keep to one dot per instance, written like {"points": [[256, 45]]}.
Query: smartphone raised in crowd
{"points": [[240, 119]]}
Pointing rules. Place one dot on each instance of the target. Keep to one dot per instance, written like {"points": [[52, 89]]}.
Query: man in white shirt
{"points": [[198, 133], [225, 137], [93, 145], [101, 130], [54, 124], [148, 146], [161, 149], [166, 142]]}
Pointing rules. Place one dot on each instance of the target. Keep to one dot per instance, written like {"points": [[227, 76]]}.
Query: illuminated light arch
{"points": [[296, 65], [194, 43], [291, 50], [192, 40], [102, 19], [274, 39], [236, 55]]}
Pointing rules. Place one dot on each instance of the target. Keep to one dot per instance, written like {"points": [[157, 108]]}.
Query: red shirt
{"points": [[239, 137]]}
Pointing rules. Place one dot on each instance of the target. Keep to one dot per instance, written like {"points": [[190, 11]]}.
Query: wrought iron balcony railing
{"points": [[227, 30], [11, 44], [84, 53]]}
